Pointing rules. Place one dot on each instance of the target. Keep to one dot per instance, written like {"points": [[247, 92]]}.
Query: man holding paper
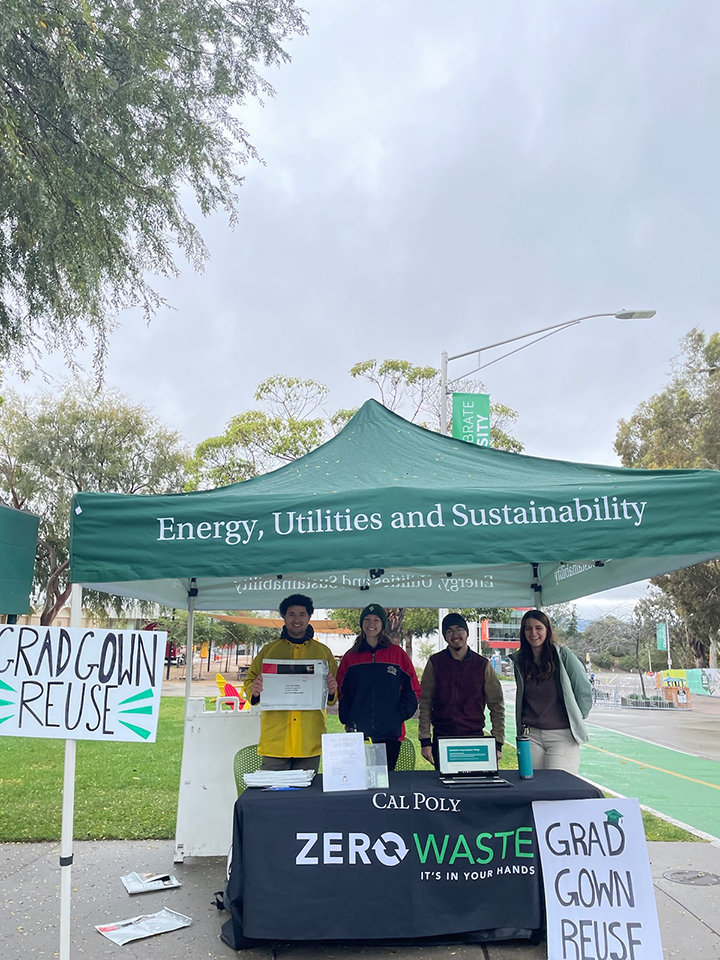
{"points": [[290, 739]]}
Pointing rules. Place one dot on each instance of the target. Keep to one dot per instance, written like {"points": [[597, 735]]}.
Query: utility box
{"points": [[678, 696]]}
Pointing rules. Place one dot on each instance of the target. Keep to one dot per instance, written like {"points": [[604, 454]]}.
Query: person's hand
{"points": [[427, 754], [499, 754], [332, 685], [257, 686]]}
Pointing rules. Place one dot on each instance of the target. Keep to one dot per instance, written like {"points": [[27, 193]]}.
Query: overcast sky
{"points": [[443, 176]]}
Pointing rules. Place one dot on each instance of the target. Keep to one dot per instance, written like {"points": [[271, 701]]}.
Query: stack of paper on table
{"points": [[279, 778]]}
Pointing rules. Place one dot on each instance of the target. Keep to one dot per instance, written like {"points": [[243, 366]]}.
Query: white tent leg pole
{"points": [[66, 847], [189, 650], [68, 807], [442, 613]]}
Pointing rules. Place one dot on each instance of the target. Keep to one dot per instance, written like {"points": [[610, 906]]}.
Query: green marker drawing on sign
{"points": [[5, 686], [138, 710], [139, 696], [614, 816], [138, 730]]}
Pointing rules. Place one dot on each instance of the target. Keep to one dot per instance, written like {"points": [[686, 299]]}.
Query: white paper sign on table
{"points": [[343, 760], [598, 886], [294, 685]]}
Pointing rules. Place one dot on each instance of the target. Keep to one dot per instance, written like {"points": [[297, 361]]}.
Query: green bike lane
{"points": [[678, 785]]}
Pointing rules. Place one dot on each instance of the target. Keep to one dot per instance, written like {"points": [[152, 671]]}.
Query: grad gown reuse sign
{"points": [[598, 886], [80, 683]]}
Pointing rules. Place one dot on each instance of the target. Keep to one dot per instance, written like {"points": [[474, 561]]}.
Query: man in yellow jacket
{"points": [[290, 739]]}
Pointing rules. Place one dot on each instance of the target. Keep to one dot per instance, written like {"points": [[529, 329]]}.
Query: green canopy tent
{"points": [[18, 542], [391, 512]]}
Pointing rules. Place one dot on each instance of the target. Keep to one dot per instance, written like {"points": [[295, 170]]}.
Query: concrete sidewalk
{"points": [[30, 883]]}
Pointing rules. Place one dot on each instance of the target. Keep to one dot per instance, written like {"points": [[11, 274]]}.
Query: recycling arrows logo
{"points": [[390, 857]]}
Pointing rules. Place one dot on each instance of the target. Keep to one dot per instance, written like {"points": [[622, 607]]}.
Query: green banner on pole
{"points": [[661, 634], [471, 418]]}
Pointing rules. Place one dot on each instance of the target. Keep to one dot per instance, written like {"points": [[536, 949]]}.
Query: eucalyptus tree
{"points": [[113, 113], [679, 427], [83, 439]]}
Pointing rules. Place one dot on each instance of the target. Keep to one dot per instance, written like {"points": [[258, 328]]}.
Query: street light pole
{"points": [[443, 392], [540, 334]]}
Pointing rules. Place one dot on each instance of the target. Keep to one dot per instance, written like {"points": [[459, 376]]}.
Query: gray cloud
{"points": [[445, 176]]}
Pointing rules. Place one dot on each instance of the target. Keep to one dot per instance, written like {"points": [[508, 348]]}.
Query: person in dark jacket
{"points": [[378, 686], [457, 686]]}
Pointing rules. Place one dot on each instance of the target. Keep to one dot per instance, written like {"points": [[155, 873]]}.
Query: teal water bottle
{"points": [[525, 766]]}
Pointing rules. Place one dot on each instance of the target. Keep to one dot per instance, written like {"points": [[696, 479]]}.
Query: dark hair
{"points": [[383, 641], [546, 665], [296, 600]]}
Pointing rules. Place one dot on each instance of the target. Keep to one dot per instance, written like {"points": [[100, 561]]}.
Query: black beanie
{"points": [[454, 620], [377, 610]]}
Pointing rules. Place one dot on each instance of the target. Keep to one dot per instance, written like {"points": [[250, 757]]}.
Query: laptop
{"points": [[469, 762]]}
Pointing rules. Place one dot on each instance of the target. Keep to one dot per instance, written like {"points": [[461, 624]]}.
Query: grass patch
{"points": [[658, 829], [129, 791], [123, 791]]}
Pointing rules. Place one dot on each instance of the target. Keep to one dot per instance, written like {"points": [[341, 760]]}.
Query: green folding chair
{"points": [[247, 760], [406, 757]]}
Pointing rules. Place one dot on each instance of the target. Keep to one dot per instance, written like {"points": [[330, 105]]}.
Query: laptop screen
{"points": [[459, 755]]}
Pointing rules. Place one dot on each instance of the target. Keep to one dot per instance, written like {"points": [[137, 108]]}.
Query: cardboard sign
{"points": [[80, 683], [598, 886]]}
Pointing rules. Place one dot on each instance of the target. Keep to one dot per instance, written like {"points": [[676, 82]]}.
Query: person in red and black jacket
{"points": [[378, 686]]}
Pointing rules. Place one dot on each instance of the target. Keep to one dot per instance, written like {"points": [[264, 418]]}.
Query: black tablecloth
{"points": [[418, 860]]}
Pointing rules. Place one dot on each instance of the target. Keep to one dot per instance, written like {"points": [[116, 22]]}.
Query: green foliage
{"points": [[110, 111], [680, 428], [496, 614], [626, 662], [695, 594], [415, 393], [564, 619], [221, 633], [255, 441], [400, 383], [347, 617], [341, 417], [656, 607], [427, 649], [54, 446]]}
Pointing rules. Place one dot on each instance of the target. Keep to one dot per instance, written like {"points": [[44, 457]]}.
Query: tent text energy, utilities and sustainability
{"points": [[427, 520]]}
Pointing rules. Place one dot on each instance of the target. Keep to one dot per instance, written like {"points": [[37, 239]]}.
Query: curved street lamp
{"points": [[541, 334]]}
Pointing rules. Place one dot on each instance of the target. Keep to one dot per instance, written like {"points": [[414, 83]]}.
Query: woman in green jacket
{"points": [[553, 696]]}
